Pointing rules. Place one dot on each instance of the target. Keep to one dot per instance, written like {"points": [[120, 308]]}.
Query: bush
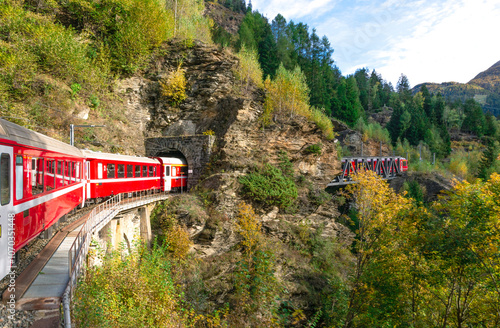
{"points": [[288, 95], [269, 186], [137, 291], [373, 130], [249, 70], [314, 149], [173, 87]]}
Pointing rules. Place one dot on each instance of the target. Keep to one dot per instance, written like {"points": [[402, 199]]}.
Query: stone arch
{"points": [[195, 149]]}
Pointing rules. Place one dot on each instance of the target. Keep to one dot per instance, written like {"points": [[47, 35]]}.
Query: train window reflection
{"points": [[5, 179], [37, 175], [111, 171], [19, 177], [121, 170]]}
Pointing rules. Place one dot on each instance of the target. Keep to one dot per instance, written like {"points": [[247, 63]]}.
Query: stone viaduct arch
{"points": [[196, 149]]}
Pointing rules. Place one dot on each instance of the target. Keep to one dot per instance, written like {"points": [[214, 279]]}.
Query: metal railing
{"points": [[98, 218]]}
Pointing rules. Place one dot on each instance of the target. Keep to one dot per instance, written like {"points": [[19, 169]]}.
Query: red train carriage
{"points": [[381, 165], [111, 174], [174, 172], [40, 181]]}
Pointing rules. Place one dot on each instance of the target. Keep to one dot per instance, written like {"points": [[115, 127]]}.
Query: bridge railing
{"points": [[98, 218]]}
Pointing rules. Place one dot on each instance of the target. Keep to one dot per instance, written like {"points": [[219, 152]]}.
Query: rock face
{"points": [[356, 144], [433, 185]]}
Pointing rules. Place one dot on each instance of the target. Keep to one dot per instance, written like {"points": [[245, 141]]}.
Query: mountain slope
{"points": [[489, 79], [484, 88]]}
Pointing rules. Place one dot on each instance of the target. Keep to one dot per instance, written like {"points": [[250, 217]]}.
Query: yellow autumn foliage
{"points": [[173, 87]]}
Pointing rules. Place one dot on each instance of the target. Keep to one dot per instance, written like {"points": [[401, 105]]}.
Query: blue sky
{"points": [[427, 40]]}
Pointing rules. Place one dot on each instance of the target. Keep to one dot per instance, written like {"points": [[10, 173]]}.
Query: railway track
{"points": [[29, 256]]}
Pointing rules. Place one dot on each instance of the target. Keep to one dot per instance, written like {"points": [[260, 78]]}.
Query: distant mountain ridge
{"points": [[484, 88]]}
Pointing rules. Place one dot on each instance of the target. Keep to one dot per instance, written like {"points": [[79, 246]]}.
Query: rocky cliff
{"points": [[215, 101]]}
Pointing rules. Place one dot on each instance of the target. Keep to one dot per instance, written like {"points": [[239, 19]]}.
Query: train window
{"points": [[111, 171], [5, 179], [19, 177], [151, 171], [121, 170], [167, 171], [99, 170], [130, 171], [137, 171], [59, 167], [37, 175], [184, 170], [174, 171], [59, 176], [49, 175], [67, 173], [77, 171], [144, 171]]}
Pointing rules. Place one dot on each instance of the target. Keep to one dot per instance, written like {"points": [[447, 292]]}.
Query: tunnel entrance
{"points": [[196, 150]]}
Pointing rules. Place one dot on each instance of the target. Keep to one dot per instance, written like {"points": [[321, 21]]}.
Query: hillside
{"points": [[484, 88], [259, 242], [489, 79]]}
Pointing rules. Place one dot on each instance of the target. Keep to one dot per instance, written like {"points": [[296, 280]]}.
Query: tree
{"points": [[403, 89], [474, 118], [488, 159], [378, 215]]}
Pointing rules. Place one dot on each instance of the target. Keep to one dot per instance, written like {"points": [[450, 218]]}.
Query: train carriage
{"points": [[112, 174], [174, 173], [41, 180]]}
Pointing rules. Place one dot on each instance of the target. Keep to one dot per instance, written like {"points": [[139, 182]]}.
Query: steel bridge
{"points": [[388, 167]]}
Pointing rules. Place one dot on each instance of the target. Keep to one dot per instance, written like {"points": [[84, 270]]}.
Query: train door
{"points": [[6, 210], [166, 178]]}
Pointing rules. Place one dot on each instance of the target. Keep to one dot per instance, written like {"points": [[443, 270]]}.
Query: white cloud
{"points": [[428, 40], [462, 43], [292, 9]]}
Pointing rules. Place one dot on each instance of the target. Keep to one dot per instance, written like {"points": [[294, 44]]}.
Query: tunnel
{"points": [[196, 150]]}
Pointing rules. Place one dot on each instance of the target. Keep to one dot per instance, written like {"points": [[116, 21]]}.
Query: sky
{"points": [[427, 40]]}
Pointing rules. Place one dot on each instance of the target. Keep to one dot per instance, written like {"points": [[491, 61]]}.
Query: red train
{"points": [[42, 179], [385, 166]]}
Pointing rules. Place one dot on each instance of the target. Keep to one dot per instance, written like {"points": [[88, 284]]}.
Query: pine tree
{"points": [[490, 156]]}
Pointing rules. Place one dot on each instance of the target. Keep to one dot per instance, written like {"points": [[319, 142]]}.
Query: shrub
{"points": [[314, 149], [256, 287], [288, 95], [173, 87], [249, 70], [373, 130], [137, 291], [323, 122], [269, 186]]}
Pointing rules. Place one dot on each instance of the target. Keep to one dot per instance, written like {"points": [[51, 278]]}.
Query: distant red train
{"points": [[385, 166], [42, 179]]}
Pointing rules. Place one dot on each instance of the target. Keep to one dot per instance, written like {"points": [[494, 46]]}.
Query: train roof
{"points": [[24, 136], [371, 157], [89, 154], [172, 160]]}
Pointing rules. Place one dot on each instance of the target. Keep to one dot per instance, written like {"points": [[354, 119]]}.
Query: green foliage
{"points": [[489, 160], [314, 149], [287, 95], [414, 191], [249, 70], [323, 122], [256, 285], [373, 130], [269, 186], [136, 291]]}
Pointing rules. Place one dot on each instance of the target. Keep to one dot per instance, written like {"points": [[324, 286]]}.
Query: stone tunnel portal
{"points": [[195, 149]]}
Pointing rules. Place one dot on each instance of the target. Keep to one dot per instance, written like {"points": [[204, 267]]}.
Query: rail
{"points": [[98, 218]]}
